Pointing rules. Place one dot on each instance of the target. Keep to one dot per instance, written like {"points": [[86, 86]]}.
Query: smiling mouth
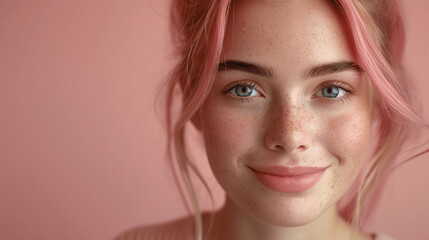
{"points": [[287, 179]]}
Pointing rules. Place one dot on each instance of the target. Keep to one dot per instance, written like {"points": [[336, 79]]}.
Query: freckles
{"points": [[348, 132], [347, 139], [228, 131]]}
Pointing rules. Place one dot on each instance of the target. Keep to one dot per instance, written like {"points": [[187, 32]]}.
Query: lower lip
{"points": [[289, 184]]}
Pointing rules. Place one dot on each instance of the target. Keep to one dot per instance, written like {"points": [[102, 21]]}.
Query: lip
{"points": [[288, 179]]}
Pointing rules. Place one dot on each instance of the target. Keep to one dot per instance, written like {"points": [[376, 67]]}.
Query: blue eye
{"points": [[333, 90], [242, 90]]}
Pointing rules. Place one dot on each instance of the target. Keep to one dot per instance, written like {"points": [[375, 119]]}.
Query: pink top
{"points": [[181, 232], [180, 229], [381, 236]]}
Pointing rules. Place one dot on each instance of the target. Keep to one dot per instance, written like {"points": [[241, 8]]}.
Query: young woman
{"points": [[302, 105]]}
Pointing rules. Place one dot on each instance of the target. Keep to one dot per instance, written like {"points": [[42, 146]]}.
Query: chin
{"points": [[281, 211], [293, 218]]}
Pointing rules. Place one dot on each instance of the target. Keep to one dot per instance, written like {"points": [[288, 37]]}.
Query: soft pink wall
{"points": [[81, 150]]}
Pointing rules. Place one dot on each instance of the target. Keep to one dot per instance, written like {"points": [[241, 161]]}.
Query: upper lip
{"points": [[287, 171]]}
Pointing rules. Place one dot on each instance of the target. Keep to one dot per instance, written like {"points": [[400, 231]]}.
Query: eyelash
{"points": [[349, 91], [233, 85]]}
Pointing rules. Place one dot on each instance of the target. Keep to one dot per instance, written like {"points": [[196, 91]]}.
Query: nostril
{"points": [[302, 148], [279, 147]]}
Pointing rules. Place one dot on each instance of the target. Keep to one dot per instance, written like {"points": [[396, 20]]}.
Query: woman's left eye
{"points": [[333, 90]]}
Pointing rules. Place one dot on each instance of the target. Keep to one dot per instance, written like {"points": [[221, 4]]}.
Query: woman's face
{"points": [[288, 94]]}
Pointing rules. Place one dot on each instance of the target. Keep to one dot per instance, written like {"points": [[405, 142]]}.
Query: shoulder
{"points": [[182, 228], [381, 236]]}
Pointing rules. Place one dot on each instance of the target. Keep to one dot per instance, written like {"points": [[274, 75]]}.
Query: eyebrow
{"points": [[315, 71], [334, 67], [246, 67]]}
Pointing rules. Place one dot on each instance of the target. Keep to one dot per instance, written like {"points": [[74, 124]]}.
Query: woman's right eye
{"points": [[242, 89]]}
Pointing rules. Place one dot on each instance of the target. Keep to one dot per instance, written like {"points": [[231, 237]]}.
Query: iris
{"points": [[330, 92], [243, 91]]}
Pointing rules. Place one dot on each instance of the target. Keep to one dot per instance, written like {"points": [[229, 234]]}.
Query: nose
{"points": [[289, 129]]}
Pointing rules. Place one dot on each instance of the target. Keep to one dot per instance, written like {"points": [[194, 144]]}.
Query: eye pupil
{"points": [[243, 91]]}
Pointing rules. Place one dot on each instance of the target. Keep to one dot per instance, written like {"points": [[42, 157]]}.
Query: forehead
{"points": [[291, 31]]}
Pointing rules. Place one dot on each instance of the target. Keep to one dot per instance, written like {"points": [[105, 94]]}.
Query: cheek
{"points": [[347, 139], [348, 133], [227, 132]]}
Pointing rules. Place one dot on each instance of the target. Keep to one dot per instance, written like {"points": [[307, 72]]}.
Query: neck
{"points": [[231, 222]]}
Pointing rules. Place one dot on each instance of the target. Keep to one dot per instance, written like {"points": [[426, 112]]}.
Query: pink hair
{"points": [[373, 34], [199, 28]]}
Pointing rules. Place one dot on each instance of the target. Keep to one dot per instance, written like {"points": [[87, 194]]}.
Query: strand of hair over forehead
{"points": [[377, 66]]}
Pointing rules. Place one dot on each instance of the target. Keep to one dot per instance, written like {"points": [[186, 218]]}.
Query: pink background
{"points": [[81, 149]]}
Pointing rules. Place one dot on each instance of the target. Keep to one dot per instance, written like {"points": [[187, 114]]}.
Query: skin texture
{"points": [[286, 121]]}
